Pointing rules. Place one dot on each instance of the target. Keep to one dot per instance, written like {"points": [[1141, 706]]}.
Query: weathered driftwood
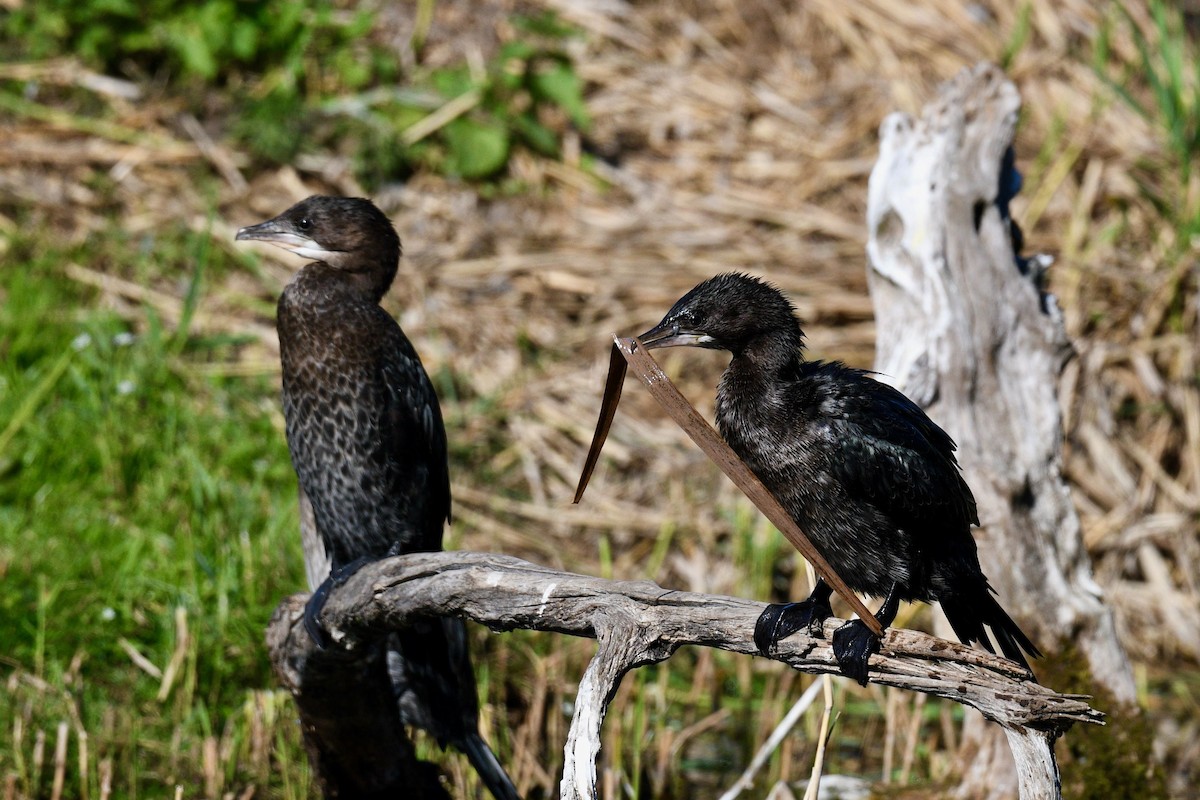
{"points": [[638, 623], [964, 328]]}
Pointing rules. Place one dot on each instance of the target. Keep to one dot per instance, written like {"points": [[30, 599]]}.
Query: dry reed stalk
{"points": [[140, 661], [183, 641], [814, 780], [774, 741], [891, 707], [105, 772], [39, 759], [85, 788], [62, 738], [910, 739]]}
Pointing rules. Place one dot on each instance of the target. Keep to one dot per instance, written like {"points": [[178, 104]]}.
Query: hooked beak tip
{"points": [[654, 338], [272, 233], [260, 232], [672, 336]]}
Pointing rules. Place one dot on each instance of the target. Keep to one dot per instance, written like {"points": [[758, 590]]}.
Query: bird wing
{"points": [[890, 453], [414, 434]]}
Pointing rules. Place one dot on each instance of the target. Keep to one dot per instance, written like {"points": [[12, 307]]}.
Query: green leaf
{"points": [[560, 85], [519, 50], [118, 8], [401, 117], [451, 82], [476, 149], [536, 135], [354, 72], [360, 26], [285, 22], [192, 49], [545, 24], [243, 39]]}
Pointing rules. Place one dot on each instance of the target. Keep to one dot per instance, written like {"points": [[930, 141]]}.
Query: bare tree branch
{"points": [[639, 623]]}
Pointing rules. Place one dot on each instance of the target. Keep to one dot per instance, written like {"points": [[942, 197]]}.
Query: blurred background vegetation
{"points": [[558, 171]]}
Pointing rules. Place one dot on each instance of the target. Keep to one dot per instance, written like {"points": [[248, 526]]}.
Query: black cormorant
{"points": [[366, 437], [859, 467]]}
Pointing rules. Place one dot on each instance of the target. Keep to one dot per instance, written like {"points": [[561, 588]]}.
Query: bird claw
{"points": [[853, 646], [780, 620], [316, 603], [312, 610]]}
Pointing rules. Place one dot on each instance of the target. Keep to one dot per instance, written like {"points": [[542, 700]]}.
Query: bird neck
{"points": [[770, 353], [373, 283], [756, 375], [320, 281], [755, 398]]}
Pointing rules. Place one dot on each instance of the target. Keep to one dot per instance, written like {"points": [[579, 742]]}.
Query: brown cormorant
{"points": [[365, 432], [859, 467]]}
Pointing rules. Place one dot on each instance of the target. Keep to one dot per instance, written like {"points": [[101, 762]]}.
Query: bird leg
{"points": [[312, 609], [780, 620], [853, 643]]}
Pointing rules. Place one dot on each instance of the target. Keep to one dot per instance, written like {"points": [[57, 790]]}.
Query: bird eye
{"points": [[304, 224]]}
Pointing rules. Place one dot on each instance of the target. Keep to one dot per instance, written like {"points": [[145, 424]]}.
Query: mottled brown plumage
{"points": [[365, 433]]}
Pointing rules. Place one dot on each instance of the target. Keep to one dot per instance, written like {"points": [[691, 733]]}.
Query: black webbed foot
{"points": [[780, 620], [853, 645], [312, 609]]}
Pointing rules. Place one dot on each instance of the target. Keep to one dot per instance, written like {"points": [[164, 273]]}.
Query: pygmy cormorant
{"points": [[859, 467], [367, 441]]}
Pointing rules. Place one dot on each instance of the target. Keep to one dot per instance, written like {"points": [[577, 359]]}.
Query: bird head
{"points": [[727, 312], [346, 233]]}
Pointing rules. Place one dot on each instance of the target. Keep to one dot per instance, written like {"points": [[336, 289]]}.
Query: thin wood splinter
{"points": [[629, 352]]}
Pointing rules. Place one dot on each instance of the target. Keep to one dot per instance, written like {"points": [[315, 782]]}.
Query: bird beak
{"points": [[282, 235], [669, 334], [275, 233]]}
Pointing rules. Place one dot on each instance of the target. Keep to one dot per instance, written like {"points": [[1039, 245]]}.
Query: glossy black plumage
{"points": [[366, 437], [860, 467]]}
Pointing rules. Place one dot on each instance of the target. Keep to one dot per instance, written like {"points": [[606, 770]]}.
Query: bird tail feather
{"points": [[969, 614], [491, 772], [431, 673]]}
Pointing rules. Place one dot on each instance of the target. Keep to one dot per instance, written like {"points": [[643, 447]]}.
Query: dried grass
{"points": [[731, 136]]}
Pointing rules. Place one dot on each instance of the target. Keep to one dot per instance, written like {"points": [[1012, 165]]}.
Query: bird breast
{"points": [[335, 405], [777, 430]]}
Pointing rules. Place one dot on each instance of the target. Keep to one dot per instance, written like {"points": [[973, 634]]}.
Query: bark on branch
{"points": [[639, 623]]}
